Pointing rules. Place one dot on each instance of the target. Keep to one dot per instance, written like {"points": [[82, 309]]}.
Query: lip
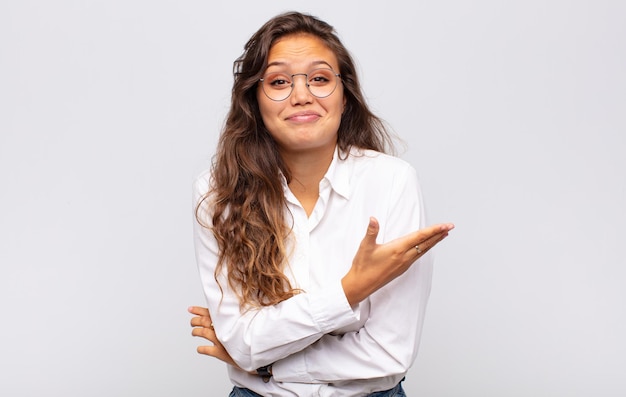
{"points": [[306, 116]]}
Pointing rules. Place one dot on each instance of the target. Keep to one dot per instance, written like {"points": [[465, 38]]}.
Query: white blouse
{"points": [[318, 344]]}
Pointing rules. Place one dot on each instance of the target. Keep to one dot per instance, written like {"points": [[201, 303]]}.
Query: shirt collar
{"points": [[338, 174]]}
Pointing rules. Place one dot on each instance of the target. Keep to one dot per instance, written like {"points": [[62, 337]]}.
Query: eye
{"points": [[321, 77], [277, 81]]}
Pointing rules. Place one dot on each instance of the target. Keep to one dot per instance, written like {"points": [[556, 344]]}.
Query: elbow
{"points": [[246, 360]]}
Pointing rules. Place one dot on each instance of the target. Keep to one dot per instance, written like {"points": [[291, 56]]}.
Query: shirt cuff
{"points": [[330, 310]]}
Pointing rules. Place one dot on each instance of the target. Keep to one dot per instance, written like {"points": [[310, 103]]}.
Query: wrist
{"points": [[348, 290], [354, 289]]}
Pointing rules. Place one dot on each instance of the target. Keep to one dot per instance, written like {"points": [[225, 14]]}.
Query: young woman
{"points": [[310, 240]]}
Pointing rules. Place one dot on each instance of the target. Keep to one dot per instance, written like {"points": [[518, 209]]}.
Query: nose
{"points": [[300, 91]]}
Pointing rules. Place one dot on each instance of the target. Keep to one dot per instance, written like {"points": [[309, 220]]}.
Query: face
{"points": [[302, 123]]}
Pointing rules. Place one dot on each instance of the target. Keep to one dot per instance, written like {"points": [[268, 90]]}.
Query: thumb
{"points": [[372, 231]]}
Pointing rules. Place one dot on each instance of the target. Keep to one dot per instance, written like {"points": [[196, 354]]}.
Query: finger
{"points": [[433, 230], [432, 240], [198, 310], [372, 232], [204, 321], [423, 235], [208, 350], [423, 247], [218, 352], [205, 333]]}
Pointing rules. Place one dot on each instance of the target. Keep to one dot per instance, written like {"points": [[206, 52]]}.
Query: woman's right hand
{"points": [[375, 265]]}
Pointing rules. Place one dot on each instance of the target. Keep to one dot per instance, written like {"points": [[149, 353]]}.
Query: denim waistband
{"points": [[397, 391]]}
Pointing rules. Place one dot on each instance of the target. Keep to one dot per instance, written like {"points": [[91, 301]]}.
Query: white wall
{"points": [[514, 115]]}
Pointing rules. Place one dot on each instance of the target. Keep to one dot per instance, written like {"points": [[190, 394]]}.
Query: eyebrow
{"points": [[314, 63]]}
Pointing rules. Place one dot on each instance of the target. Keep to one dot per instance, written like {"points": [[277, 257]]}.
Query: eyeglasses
{"points": [[277, 86]]}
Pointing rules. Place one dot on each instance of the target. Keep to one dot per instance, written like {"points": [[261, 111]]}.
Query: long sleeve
{"points": [[388, 341], [262, 336], [318, 344]]}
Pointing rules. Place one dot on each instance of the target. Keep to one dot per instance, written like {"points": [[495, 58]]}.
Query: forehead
{"points": [[301, 50]]}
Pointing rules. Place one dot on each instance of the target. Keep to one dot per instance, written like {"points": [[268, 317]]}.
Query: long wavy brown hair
{"points": [[246, 199]]}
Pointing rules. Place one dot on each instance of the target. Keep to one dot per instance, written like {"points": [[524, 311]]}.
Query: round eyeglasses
{"points": [[277, 86]]}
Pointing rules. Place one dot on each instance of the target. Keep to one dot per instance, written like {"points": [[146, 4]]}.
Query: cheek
{"points": [[341, 100], [267, 109], [337, 106]]}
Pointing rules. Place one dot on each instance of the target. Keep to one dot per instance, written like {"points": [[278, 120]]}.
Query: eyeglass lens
{"points": [[279, 85]]}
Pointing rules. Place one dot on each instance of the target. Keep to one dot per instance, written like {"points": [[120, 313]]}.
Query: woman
{"points": [[302, 300]]}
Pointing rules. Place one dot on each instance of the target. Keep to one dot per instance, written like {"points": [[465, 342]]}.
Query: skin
{"points": [[304, 126], [373, 267], [305, 129]]}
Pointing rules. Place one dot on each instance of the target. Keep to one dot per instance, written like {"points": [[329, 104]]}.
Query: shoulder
{"points": [[377, 163], [200, 191], [202, 183]]}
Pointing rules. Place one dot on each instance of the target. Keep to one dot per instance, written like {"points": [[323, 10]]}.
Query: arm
{"points": [[204, 326], [261, 336], [266, 335], [387, 344]]}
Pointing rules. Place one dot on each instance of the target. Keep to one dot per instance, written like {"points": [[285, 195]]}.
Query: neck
{"points": [[307, 170]]}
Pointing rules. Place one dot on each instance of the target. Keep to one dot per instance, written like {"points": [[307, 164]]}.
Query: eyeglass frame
{"points": [[308, 86]]}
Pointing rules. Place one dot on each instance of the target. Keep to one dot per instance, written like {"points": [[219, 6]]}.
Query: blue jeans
{"points": [[397, 391]]}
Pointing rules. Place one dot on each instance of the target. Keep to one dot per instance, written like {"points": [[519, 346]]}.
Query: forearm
{"points": [[262, 336], [386, 345]]}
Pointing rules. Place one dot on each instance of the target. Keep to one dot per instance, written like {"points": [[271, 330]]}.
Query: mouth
{"points": [[303, 117]]}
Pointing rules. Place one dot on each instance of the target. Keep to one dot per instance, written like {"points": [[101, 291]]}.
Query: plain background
{"points": [[514, 114]]}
